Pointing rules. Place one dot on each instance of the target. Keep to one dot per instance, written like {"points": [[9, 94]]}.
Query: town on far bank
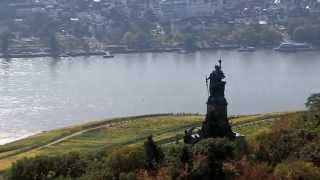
{"points": [[58, 28]]}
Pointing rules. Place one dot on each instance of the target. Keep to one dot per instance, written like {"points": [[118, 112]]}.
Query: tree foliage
{"points": [[126, 160], [256, 36], [154, 155], [44, 167], [313, 102], [297, 170], [5, 40], [307, 33]]}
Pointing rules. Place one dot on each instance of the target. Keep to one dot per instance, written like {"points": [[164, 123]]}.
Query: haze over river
{"points": [[42, 93]]}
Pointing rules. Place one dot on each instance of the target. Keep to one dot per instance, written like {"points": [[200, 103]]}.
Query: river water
{"points": [[43, 93]]}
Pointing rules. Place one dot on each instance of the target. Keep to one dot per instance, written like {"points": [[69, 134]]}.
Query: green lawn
{"points": [[119, 132], [47, 137], [126, 133]]}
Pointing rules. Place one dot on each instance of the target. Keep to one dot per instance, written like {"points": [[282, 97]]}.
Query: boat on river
{"points": [[247, 49], [186, 51], [108, 55], [293, 47]]}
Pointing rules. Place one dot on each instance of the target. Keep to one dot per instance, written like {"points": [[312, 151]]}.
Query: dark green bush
{"points": [[310, 152], [296, 170], [276, 146], [223, 145], [44, 167], [98, 170], [127, 176], [125, 160]]}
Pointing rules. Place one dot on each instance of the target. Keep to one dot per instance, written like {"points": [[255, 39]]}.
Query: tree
{"points": [[245, 169], [129, 38], [313, 102], [53, 45], [297, 170], [126, 160], [313, 105], [310, 152], [276, 145], [253, 35], [5, 42], [270, 36], [44, 167], [307, 33], [150, 16], [247, 36], [218, 152], [189, 42], [138, 40], [186, 158], [153, 153]]}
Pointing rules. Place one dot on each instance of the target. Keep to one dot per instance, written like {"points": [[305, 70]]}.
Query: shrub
{"points": [[223, 146], [127, 176], [313, 102], [173, 151], [297, 170], [310, 152], [276, 146], [313, 105], [43, 167], [240, 147], [217, 150], [243, 170], [174, 156], [202, 146], [185, 156], [153, 153], [125, 160], [200, 171], [98, 170]]}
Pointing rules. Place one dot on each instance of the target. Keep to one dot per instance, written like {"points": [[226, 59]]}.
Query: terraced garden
{"points": [[112, 133]]}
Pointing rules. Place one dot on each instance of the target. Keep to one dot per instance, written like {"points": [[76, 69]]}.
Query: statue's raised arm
{"points": [[215, 79]]}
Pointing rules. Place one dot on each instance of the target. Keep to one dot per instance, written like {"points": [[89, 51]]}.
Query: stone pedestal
{"points": [[216, 123]]}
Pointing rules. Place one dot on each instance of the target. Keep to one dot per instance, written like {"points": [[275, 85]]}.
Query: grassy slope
{"points": [[119, 132]]}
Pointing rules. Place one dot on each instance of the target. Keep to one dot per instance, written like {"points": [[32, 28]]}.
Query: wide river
{"points": [[43, 93]]}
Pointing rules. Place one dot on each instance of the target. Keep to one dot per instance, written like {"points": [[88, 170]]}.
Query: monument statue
{"points": [[216, 123], [216, 87]]}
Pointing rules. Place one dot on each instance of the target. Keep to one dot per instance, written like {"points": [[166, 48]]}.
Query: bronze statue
{"points": [[216, 86], [216, 123]]}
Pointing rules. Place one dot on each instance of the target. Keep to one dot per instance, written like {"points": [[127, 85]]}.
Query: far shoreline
{"points": [[132, 51]]}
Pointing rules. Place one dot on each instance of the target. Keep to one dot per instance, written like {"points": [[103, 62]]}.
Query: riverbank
{"points": [[8, 138], [36, 55], [128, 51], [111, 133]]}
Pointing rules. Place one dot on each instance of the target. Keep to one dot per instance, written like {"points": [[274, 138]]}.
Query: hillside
{"points": [[118, 132]]}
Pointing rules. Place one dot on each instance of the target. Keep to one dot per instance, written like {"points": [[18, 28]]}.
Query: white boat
{"points": [[293, 47], [108, 55], [247, 49]]}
